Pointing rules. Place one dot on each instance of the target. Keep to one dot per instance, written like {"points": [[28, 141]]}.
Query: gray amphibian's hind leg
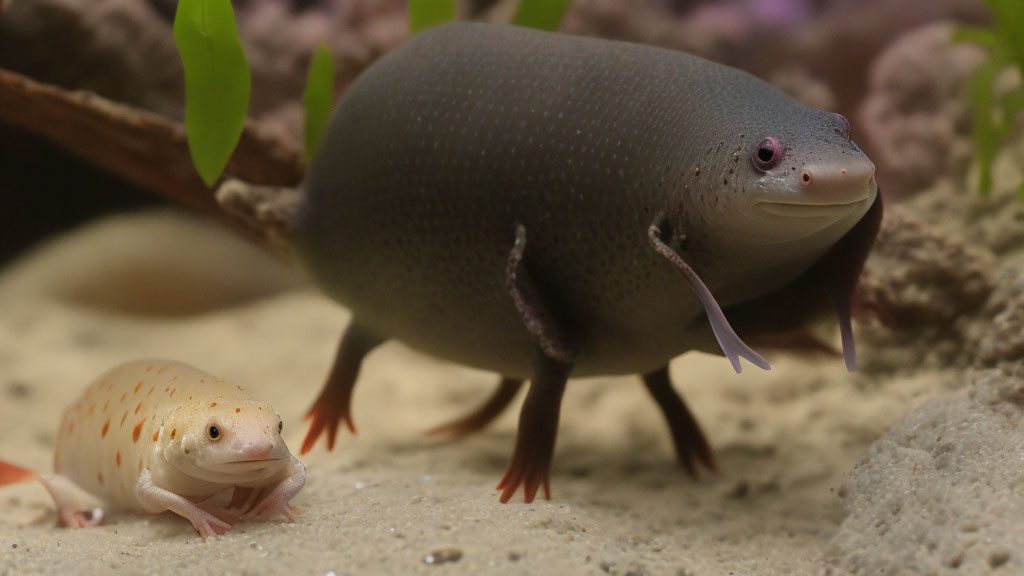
{"points": [[730, 343], [483, 415], [538, 421], [538, 427], [691, 446], [335, 401]]}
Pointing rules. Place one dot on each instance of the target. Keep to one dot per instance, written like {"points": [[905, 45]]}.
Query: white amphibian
{"points": [[156, 435]]}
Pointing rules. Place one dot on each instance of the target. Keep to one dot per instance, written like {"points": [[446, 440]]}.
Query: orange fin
{"points": [[11, 474]]}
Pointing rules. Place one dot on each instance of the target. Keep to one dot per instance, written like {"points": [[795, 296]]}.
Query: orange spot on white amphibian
{"points": [[174, 469]]}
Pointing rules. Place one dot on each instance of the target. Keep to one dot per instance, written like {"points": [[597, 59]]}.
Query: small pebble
{"points": [[998, 557], [443, 556], [18, 390]]}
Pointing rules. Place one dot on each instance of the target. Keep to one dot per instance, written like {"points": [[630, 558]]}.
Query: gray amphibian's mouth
{"points": [[805, 210]]}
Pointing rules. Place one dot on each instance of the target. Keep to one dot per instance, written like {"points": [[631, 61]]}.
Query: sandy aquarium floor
{"points": [[160, 285]]}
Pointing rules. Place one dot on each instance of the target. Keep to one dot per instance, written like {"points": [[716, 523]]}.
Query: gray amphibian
{"points": [[545, 206]]}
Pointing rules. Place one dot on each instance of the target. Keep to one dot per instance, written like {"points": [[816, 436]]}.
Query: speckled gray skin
{"points": [[442, 148]]}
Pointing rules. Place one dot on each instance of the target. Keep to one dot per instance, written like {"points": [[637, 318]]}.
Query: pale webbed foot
{"points": [[221, 513], [273, 503], [80, 518], [207, 524], [76, 508], [204, 518]]}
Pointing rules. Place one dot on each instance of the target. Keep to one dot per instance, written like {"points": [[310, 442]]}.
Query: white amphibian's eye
{"points": [[280, 426], [213, 432]]}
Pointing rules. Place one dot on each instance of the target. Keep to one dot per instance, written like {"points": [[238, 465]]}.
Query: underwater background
{"points": [[112, 249]]}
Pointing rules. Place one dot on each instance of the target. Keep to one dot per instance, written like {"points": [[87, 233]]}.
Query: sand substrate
{"points": [[163, 285]]}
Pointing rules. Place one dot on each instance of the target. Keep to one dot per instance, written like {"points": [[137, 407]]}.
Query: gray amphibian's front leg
{"points": [[691, 446], [533, 309], [538, 420], [335, 401], [483, 415], [731, 344]]}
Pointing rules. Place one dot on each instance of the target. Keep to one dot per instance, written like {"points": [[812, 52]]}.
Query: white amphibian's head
{"points": [[225, 440]]}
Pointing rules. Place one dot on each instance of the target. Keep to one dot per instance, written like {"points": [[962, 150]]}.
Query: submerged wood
{"points": [[144, 148]]}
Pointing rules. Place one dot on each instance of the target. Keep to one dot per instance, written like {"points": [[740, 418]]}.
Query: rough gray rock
{"points": [[1003, 338], [915, 115], [942, 492], [928, 285]]}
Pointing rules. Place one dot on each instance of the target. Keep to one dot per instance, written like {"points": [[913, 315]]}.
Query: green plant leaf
{"points": [[318, 98], [987, 134], [981, 36], [541, 14], [1009, 26], [426, 13], [217, 82], [1013, 103]]}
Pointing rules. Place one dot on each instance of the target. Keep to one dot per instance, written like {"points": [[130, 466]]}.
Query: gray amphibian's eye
{"points": [[213, 432], [767, 154]]}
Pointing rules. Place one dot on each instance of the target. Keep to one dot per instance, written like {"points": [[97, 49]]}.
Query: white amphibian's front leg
{"points": [[76, 508], [157, 499], [276, 500]]}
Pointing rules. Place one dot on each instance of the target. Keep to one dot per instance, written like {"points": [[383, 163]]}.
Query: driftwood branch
{"points": [[147, 149]]}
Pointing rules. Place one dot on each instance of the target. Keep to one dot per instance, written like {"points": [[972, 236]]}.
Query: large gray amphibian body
{"points": [[541, 205]]}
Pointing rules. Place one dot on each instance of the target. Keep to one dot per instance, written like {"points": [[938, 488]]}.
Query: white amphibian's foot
{"points": [[275, 503]]}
